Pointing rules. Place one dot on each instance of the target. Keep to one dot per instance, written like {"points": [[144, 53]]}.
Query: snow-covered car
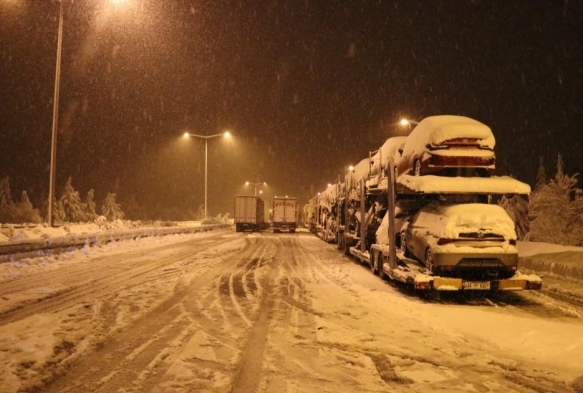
{"points": [[448, 145], [380, 158], [469, 240]]}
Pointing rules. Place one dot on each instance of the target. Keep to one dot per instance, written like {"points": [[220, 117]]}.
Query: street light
{"points": [[408, 122], [226, 134], [256, 185], [53, 165], [55, 117]]}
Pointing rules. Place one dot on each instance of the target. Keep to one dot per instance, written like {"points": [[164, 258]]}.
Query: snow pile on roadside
{"points": [[555, 259], [16, 234]]}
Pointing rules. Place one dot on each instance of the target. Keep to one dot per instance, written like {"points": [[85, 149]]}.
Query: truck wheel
{"points": [[346, 246], [395, 175], [404, 248], [417, 167], [380, 262], [429, 261]]}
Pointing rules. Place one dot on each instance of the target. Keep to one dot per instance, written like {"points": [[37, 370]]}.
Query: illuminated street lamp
{"points": [[53, 166], [408, 122], [55, 117], [226, 134], [256, 185]]}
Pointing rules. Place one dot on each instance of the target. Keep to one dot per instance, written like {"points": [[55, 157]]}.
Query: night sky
{"points": [[306, 88]]}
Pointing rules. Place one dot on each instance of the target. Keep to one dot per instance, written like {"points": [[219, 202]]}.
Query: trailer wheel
{"points": [[380, 262], [373, 263], [395, 175], [404, 248], [417, 167], [429, 261]]}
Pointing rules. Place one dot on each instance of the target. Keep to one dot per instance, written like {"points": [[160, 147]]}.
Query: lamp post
{"points": [[226, 134], [55, 117], [53, 164], [255, 185]]}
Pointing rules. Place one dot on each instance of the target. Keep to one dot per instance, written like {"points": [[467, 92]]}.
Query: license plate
{"points": [[481, 285]]}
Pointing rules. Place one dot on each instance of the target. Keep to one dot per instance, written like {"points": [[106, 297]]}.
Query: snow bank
{"points": [[547, 258]]}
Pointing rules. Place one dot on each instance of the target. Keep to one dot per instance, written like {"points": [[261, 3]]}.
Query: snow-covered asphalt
{"points": [[264, 312]]}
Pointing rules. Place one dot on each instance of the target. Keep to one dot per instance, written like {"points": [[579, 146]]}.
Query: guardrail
{"points": [[90, 239]]}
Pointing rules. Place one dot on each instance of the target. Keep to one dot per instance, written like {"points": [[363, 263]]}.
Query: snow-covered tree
{"points": [[73, 207], [5, 194], [111, 209], [24, 212], [90, 206], [517, 209], [553, 210], [541, 177], [16, 213], [577, 219], [58, 211]]}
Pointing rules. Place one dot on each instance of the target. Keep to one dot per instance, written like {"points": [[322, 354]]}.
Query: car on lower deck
{"points": [[472, 241]]}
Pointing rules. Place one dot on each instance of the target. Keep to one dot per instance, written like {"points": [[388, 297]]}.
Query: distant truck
{"points": [[285, 214], [249, 213]]}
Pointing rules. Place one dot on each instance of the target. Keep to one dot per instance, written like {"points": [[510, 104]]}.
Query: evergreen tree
{"points": [[111, 209], [6, 204], [552, 210], [517, 209], [576, 223], [90, 206], [560, 166], [73, 208], [541, 177], [16, 213], [58, 211], [24, 212]]}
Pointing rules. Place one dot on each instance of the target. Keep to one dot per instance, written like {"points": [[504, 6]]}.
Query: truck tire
{"points": [[373, 263], [429, 261], [346, 246], [380, 262]]}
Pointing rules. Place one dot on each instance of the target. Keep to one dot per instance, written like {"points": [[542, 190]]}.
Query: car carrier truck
{"points": [[285, 214], [249, 213], [371, 207]]}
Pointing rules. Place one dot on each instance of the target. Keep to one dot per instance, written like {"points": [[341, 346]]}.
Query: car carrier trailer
{"points": [[389, 261]]}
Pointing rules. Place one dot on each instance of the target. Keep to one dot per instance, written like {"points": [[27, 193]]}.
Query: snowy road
{"points": [[233, 312]]}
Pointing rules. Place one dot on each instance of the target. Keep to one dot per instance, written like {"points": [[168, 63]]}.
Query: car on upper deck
{"points": [[448, 145]]}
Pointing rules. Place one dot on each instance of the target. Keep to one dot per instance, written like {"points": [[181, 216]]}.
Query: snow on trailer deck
{"points": [[429, 184]]}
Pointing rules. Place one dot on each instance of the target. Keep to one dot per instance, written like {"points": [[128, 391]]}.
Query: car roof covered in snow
{"points": [[389, 148], [435, 130]]}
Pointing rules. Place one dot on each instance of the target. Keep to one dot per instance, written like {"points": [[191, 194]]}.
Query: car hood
{"points": [[452, 220]]}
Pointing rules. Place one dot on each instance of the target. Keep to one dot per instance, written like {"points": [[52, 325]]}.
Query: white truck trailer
{"points": [[285, 214], [249, 213]]}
